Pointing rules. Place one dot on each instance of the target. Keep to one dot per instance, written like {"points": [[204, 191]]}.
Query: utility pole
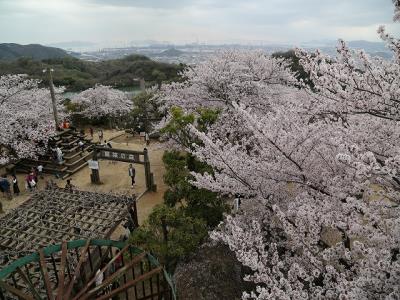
{"points": [[53, 95]]}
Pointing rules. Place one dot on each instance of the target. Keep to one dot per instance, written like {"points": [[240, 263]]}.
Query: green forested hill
{"points": [[76, 74], [11, 52]]}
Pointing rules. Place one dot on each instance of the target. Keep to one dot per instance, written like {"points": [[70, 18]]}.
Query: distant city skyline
{"points": [[205, 21]]}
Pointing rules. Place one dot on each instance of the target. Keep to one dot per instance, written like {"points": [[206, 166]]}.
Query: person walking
{"points": [[30, 182], [237, 202], [100, 133], [99, 277], [15, 185], [107, 144], [69, 187], [5, 186], [147, 139], [40, 171], [27, 183], [59, 155], [35, 174], [91, 132], [132, 173], [81, 145], [54, 153]]}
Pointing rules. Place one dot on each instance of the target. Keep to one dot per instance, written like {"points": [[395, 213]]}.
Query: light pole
{"points": [[53, 95]]}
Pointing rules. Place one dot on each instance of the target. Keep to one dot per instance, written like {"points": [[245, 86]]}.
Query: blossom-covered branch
{"points": [[26, 118], [102, 101]]}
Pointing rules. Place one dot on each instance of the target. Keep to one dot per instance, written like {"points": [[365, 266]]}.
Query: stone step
{"points": [[83, 158], [71, 172], [72, 156]]}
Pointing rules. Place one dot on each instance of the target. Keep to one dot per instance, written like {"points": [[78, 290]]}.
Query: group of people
{"points": [[65, 124], [5, 186], [101, 136], [10, 188]]}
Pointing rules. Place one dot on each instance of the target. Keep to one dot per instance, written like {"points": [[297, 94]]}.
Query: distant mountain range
{"points": [[189, 53], [10, 52], [72, 44]]}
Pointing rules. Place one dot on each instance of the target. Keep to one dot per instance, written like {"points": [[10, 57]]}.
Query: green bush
{"points": [[170, 234]]}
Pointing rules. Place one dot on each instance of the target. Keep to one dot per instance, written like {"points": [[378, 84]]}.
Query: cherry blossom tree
{"points": [[102, 101], [318, 167], [26, 118], [396, 16]]}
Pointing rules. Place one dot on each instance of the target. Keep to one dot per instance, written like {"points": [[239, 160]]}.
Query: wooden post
{"points": [[95, 176], [53, 97], [147, 169], [152, 184], [134, 215]]}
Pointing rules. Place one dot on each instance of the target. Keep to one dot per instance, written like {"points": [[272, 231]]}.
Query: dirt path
{"points": [[113, 175]]}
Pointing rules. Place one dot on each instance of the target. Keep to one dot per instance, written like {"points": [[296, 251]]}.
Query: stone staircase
{"points": [[74, 158]]}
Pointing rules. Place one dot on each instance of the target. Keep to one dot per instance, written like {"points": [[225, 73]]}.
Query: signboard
{"points": [[119, 155], [93, 164], [130, 156]]}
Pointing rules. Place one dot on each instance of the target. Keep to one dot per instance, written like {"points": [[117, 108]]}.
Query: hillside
{"points": [[12, 52], [171, 52], [77, 75]]}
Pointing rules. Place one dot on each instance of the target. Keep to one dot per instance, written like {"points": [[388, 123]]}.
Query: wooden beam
{"points": [[61, 273], [130, 284], [29, 284], [60, 231], [19, 230], [15, 291], [113, 277], [64, 216], [76, 272], [45, 273], [102, 270], [8, 238]]}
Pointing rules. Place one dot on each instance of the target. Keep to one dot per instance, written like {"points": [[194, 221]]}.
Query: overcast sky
{"points": [[282, 21]]}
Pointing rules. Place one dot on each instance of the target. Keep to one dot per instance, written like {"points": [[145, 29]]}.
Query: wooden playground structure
{"points": [[54, 215], [71, 270]]}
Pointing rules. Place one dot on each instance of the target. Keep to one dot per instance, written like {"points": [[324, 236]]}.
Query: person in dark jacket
{"points": [[69, 187], [5, 186], [132, 173], [15, 185]]}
